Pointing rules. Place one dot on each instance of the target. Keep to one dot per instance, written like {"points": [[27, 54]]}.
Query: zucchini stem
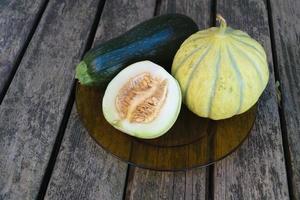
{"points": [[82, 74]]}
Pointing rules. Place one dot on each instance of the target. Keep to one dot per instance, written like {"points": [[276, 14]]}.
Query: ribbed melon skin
{"points": [[221, 74]]}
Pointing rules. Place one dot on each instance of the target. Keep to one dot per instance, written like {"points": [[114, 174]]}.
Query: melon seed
{"points": [[141, 98]]}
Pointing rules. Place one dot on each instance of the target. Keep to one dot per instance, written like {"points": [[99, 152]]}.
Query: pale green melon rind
{"points": [[214, 85], [239, 78], [256, 55], [181, 61], [192, 74], [191, 99], [260, 55], [242, 89], [256, 47], [250, 49], [256, 66]]}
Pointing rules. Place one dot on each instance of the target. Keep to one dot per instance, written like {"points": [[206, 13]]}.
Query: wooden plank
{"points": [[257, 169], [286, 26], [145, 184], [83, 169], [33, 108], [148, 184], [17, 21], [199, 11]]}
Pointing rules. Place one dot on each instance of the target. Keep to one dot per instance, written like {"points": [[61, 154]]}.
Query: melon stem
{"points": [[223, 24]]}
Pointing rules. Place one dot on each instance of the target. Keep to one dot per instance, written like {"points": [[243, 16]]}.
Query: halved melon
{"points": [[143, 100]]}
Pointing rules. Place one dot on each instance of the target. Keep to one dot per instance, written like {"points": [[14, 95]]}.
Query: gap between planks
{"points": [[130, 169], [210, 169], [23, 50], [283, 125], [157, 7], [210, 172], [68, 109]]}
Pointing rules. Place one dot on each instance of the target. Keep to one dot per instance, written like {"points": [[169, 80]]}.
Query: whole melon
{"points": [[221, 71]]}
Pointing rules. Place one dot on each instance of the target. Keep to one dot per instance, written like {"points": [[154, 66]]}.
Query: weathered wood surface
{"points": [[17, 19], [84, 170], [145, 184], [33, 108], [286, 25], [148, 185], [199, 11], [257, 169]]}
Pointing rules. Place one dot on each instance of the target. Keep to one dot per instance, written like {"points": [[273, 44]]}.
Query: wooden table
{"points": [[45, 152]]}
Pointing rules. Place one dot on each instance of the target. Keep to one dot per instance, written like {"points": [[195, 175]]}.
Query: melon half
{"points": [[143, 100]]}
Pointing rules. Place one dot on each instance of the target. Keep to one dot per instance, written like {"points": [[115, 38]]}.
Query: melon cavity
{"points": [[143, 100]]}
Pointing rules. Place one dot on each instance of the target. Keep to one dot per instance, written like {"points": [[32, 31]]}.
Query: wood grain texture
{"points": [[17, 19], [145, 184], [148, 185], [257, 169], [32, 110], [286, 26], [199, 11], [81, 163], [83, 169]]}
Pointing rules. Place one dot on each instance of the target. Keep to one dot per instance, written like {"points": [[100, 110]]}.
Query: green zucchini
{"points": [[157, 40]]}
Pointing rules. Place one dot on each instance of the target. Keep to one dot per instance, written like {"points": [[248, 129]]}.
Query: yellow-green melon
{"points": [[221, 71]]}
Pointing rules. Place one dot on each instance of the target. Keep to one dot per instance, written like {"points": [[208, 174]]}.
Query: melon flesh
{"points": [[143, 100]]}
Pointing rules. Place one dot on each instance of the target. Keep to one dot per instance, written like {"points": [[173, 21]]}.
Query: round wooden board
{"points": [[192, 141]]}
